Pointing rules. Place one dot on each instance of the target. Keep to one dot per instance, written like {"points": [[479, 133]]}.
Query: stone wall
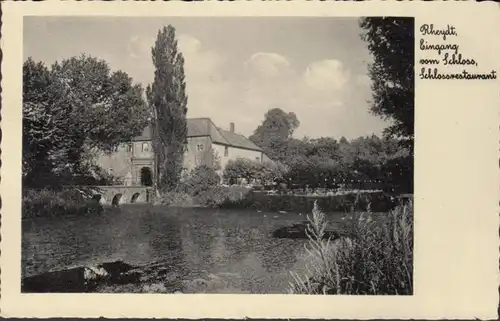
{"points": [[198, 152], [143, 149], [118, 163]]}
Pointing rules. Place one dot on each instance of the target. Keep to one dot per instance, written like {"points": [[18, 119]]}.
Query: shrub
{"points": [[47, 203], [175, 198], [213, 197], [220, 196], [201, 179], [264, 172], [378, 259], [303, 203]]}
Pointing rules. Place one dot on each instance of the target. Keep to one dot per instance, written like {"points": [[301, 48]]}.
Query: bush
{"points": [[378, 259], [175, 198], [379, 202], [201, 179], [220, 196], [47, 203], [212, 197], [264, 172]]}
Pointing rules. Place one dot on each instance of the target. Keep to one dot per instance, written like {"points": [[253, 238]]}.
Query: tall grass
{"points": [[377, 259]]}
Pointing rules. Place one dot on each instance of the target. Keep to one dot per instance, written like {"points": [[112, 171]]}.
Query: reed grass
{"points": [[377, 259]]}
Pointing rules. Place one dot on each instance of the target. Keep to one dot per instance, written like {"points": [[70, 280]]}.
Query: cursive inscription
{"points": [[443, 51]]}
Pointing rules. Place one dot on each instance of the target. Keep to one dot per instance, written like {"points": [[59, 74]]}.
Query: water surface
{"points": [[189, 244]]}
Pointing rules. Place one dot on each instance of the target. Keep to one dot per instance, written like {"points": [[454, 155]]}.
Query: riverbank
{"points": [[120, 277], [50, 203], [237, 197]]}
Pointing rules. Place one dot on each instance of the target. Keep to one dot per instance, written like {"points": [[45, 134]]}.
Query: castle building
{"points": [[207, 144]]}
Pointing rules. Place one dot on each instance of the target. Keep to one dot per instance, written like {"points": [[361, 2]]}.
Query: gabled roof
{"points": [[238, 140], [200, 127]]}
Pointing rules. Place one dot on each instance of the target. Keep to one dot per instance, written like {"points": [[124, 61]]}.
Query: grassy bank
{"points": [[237, 197], [378, 259], [50, 203]]}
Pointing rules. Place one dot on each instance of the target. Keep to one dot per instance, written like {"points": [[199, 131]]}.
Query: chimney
{"points": [[231, 127]]}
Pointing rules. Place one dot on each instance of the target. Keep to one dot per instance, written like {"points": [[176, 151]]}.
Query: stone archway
{"points": [[116, 200], [134, 198], [146, 176]]}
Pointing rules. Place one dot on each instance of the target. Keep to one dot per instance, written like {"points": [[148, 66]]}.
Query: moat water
{"points": [[232, 249]]}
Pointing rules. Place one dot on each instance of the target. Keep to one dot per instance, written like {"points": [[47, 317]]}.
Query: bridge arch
{"points": [[117, 195], [135, 197], [117, 199]]}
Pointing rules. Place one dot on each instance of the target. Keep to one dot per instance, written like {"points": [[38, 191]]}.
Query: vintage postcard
{"points": [[250, 159]]}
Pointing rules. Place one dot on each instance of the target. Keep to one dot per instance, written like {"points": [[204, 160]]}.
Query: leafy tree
{"points": [[266, 172], [201, 179], [272, 172], [39, 129], [391, 43], [75, 108], [325, 147], [168, 102], [272, 136], [241, 168]]}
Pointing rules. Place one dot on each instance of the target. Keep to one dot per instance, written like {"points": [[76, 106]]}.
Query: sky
{"points": [[237, 68]]}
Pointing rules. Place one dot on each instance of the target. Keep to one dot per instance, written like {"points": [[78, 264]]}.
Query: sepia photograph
{"points": [[252, 160], [257, 155]]}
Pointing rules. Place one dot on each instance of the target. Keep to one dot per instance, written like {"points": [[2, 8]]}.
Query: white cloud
{"points": [[199, 62], [326, 75], [267, 65]]}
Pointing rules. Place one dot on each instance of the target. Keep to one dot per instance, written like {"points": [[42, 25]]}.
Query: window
{"points": [[257, 159], [200, 147], [145, 147], [226, 151], [129, 148]]}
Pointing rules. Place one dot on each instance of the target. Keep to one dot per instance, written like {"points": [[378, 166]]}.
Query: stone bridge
{"points": [[115, 195]]}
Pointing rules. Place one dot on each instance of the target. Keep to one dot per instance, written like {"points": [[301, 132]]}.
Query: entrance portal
{"points": [[146, 176]]}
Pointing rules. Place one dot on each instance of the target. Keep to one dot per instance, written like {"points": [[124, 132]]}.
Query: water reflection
{"points": [[231, 248]]}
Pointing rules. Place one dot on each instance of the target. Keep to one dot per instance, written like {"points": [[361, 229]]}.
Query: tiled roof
{"points": [[239, 140], [205, 127]]}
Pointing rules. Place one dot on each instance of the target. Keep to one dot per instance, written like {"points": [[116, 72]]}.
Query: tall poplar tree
{"points": [[168, 102]]}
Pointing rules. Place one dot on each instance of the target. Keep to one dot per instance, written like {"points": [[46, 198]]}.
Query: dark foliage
{"points": [[168, 103], [71, 110], [391, 43]]}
